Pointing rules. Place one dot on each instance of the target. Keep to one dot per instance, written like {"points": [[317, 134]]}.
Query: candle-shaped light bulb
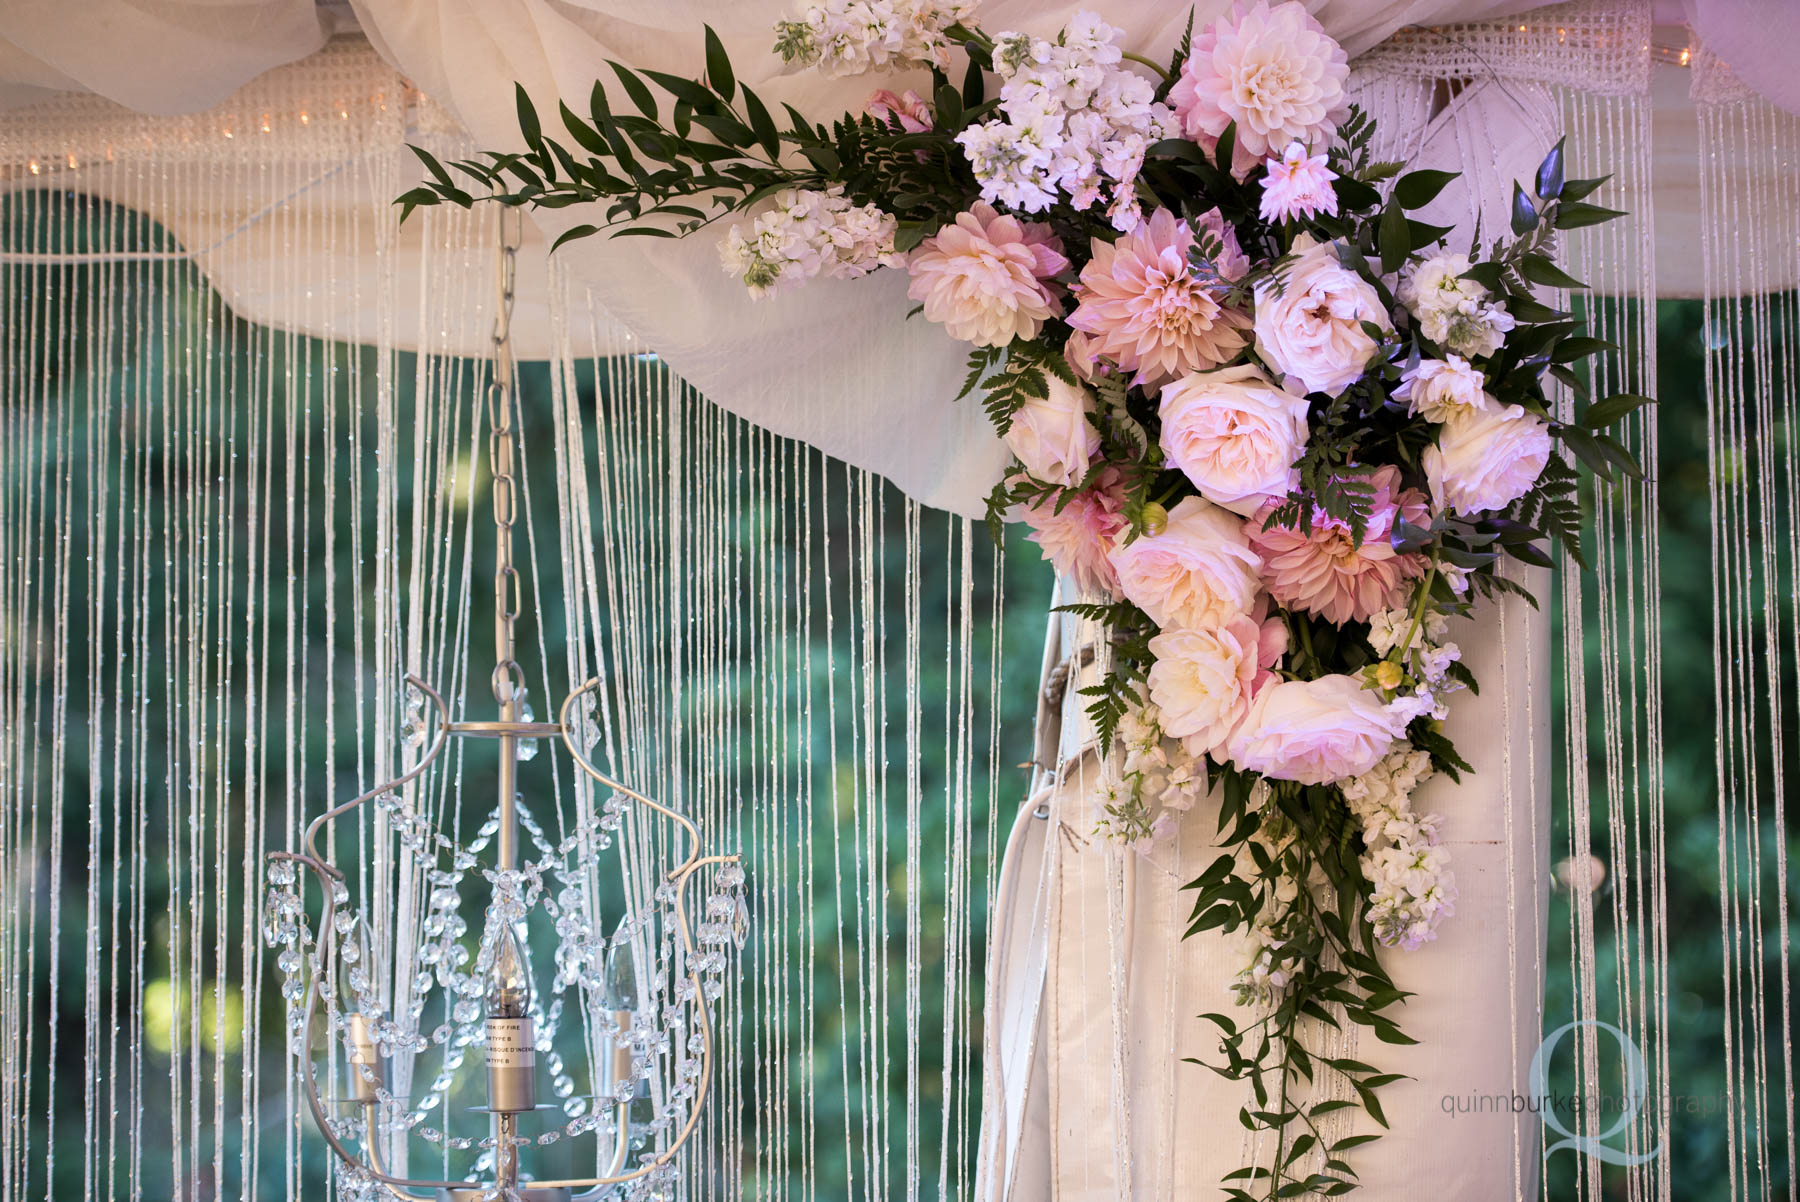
{"points": [[354, 968], [509, 983], [512, 1059]]}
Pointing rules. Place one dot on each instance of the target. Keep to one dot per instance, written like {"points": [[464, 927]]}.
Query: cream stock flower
{"points": [[1234, 434], [1311, 326], [983, 276], [1200, 571]]}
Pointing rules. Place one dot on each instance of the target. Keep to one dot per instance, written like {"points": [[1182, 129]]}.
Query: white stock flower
{"points": [[1411, 887], [1455, 313], [850, 37], [1074, 122], [806, 234]]}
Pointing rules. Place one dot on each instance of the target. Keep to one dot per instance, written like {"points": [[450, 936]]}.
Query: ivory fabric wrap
{"points": [[1094, 994]]}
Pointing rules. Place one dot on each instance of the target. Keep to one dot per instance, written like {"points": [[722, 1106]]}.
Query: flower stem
{"points": [[1138, 58], [1418, 614]]}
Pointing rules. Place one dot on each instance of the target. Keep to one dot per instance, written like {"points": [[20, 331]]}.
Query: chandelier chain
{"points": [[508, 679]]}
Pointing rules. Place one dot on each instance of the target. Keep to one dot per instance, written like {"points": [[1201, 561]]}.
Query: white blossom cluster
{"points": [[1157, 780], [1457, 314], [808, 234], [1426, 662], [1265, 971], [1412, 888], [1076, 123], [852, 37]]}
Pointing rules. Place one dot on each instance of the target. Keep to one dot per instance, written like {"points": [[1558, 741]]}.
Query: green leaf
{"points": [[528, 118], [1227, 147], [1581, 189], [1607, 410], [695, 94], [635, 88], [1395, 245], [432, 165], [644, 231], [1538, 269], [1524, 213], [1416, 189], [1587, 450], [585, 135], [718, 67], [572, 233], [1569, 350], [762, 124], [1577, 216]]}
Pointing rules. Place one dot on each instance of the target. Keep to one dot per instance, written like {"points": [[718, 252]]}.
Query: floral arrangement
{"points": [[1274, 431]]}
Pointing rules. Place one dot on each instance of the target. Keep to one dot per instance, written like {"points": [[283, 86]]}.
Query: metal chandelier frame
{"points": [[512, 726]]}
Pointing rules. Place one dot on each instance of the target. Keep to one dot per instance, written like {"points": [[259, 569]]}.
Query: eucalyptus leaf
{"points": [[718, 67]]}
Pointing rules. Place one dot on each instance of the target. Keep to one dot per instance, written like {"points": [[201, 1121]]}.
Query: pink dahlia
{"points": [[908, 109], [1326, 573], [985, 278], [1273, 71], [1149, 311], [1297, 186], [1076, 539]]}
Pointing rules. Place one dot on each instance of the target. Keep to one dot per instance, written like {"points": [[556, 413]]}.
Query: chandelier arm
{"points": [[437, 747], [314, 996], [693, 860]]}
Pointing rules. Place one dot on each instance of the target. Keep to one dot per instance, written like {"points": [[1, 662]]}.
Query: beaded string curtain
{"points": [[231, 541], [1750, 237]]}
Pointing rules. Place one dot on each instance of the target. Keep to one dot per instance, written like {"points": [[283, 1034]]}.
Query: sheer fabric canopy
{"points": [[875, 391]]}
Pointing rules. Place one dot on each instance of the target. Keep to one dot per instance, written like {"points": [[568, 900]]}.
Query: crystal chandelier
{"points": [[640, 995]]}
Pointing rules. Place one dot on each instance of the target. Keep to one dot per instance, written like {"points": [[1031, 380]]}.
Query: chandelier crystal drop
{"points": [[454, 986]]}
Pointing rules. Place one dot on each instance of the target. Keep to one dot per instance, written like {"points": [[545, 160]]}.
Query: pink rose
{"points": [[1485, 459], [1200, 571], [984, 277], [1234, 434], [1313, 731], [1312, 328], [1076, 532], [909, 109], [1202, 680], [1052, 437]]}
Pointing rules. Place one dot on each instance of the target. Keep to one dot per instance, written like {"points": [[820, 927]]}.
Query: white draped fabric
{"points": [[830, 364]]}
